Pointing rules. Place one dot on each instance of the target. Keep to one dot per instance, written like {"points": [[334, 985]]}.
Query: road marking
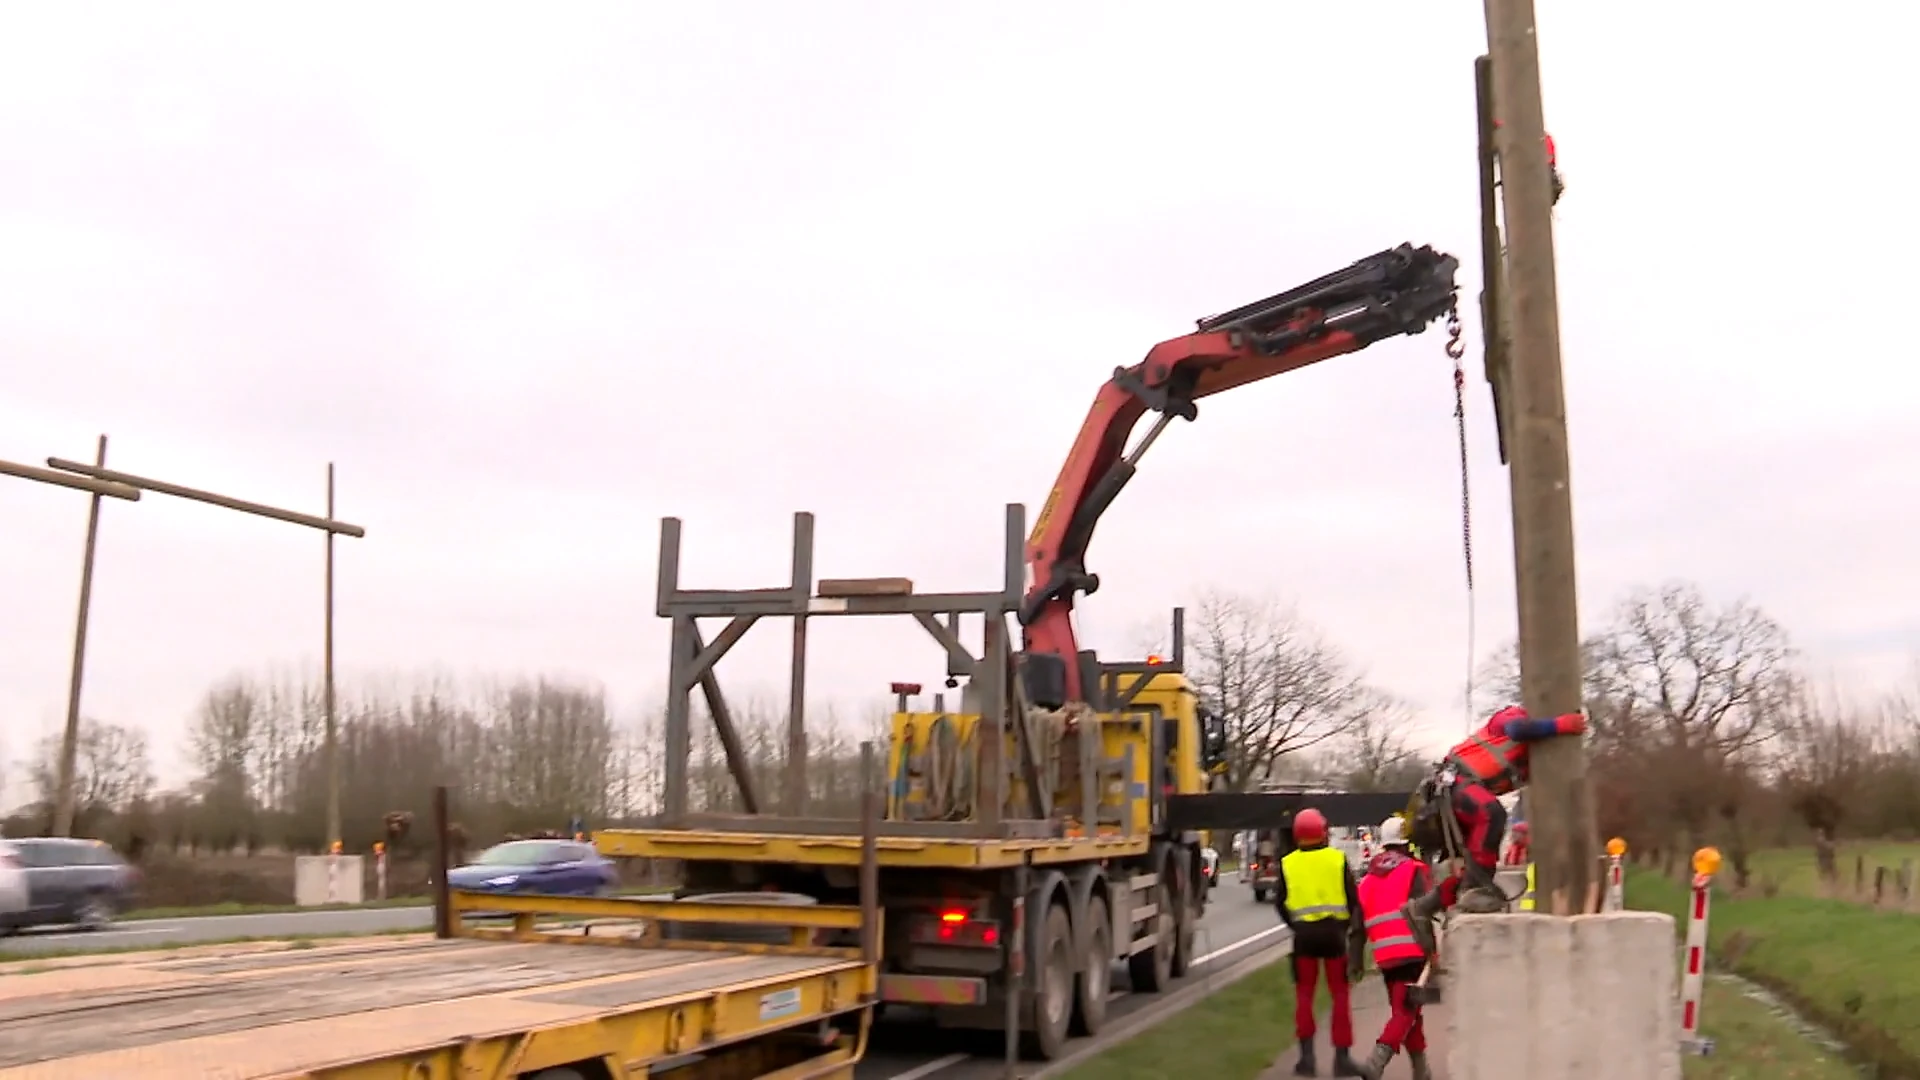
{"points": [[1238, 945], [931, 1067]]}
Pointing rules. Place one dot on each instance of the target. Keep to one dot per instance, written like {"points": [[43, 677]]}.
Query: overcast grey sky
{"points": [[534, 281]]}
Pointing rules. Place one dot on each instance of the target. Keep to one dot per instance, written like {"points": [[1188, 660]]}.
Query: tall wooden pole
{"points": [[64, 789], [1563, 842], [333, 743]]}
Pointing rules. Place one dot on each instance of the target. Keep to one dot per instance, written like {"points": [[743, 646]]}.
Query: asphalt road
{"points": [[1233, 928], [163, 933]]}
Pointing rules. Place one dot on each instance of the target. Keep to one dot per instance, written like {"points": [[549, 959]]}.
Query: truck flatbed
{"points": [[412, 1008], [755, 842]]}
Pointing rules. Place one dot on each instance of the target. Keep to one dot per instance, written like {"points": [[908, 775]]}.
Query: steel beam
{"points": [[723, 725]]}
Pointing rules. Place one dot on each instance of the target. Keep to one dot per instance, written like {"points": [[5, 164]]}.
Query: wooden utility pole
{"points": [[64, 794], [63, 799], [124, 481], [1563, 840]]}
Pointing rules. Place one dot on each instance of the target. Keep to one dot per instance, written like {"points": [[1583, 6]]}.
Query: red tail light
{"points": [[957, 926]]}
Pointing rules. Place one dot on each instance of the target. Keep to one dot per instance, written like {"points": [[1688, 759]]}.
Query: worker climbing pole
{"points": [[1525, 322]]}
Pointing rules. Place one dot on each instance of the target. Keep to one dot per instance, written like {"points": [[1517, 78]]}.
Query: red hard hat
{"points": [[1309, 827]]}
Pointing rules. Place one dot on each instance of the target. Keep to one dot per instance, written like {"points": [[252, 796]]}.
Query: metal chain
{"points": [[1456, 349]]}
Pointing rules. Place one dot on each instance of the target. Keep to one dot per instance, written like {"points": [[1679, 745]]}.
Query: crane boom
{"points": [[1398, 291]]}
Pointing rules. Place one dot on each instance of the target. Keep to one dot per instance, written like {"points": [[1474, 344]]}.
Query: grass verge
{"points": [[206, 911], [1752, 1042], [1849, 968], [1795, 871], [1232, 1035]]}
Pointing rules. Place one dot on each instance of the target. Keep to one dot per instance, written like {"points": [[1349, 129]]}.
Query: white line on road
{"points": [[1238, 945], [931, 1067]]}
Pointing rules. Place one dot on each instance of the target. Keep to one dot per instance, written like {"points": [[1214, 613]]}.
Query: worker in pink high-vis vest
{"points": [[1391, 878]]}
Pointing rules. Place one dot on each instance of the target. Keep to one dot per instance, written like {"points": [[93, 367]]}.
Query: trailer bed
{"points": [[326, 1011], [756, 842]]}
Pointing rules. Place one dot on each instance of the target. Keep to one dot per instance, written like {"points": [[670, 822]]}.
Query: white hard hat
{"points": [[1393, 832]]}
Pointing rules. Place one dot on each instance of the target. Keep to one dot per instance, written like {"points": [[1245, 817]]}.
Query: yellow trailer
{"points": [[644, 990]]}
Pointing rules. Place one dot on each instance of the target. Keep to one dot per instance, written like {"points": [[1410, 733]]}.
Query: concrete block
{"points": [[1593, 997], [329, 879]]}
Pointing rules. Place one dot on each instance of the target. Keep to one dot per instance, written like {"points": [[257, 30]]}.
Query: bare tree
{"points": [[1277, 684], [1712, 679], [1375, 755], [112, 770]]}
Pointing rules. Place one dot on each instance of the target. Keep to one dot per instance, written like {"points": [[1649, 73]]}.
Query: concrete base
{"points": [[1593, 997], [329, 879]]}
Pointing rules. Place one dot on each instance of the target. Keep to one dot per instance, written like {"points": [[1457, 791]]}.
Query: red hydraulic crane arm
{"points": [[1396, 292]]}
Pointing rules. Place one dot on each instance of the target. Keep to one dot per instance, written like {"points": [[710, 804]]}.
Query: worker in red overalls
{"points": [[1460, 816], [1317, 899], [1517, 851], [1392, 878]]}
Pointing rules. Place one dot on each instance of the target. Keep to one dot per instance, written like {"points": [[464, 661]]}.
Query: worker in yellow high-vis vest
{"points": [[1526, 898], [1319, 901]]}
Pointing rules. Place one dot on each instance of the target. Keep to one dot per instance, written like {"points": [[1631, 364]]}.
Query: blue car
{"points": [[546, 867]]}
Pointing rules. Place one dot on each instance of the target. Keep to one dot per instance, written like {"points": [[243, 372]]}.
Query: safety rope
{"points": [[1456, 349]]}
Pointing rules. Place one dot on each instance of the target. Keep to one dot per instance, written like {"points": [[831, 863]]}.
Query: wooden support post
{"points": [[1559, 809], [64, 810]]}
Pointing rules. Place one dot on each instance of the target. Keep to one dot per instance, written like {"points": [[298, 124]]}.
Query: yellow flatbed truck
{"points": [[1014, 872], [622, 992]]}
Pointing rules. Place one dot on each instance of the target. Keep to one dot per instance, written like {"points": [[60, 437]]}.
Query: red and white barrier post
{"points": [[333, 873], [380, 869], [1616, 875], [1693, 976]]}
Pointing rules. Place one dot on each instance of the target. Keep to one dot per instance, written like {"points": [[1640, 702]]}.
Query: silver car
{"points": [[73, 882]]}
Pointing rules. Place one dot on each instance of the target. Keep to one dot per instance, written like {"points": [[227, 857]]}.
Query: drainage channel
{"points": [[1808, 1029]]}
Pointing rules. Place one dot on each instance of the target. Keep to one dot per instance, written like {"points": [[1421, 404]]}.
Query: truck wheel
{"points": [[1185, 910], [1096, 974], [562, 1073], [1259, 895], [1151, 969], [1052, 987]]}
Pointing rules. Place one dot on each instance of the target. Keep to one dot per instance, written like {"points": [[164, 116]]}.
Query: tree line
{"points": [[1704, 727]]}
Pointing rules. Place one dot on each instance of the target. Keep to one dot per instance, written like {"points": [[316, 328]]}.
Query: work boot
{"points": [[1343, 1063], [1376, 1066], [1307, 1066], [1421, 1070], [1482, 900]]}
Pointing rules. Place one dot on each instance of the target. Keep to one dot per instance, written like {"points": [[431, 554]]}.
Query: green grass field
{"points": [[1755, 1043], [1232, 1035], [1851, 968], [1795, 872]]}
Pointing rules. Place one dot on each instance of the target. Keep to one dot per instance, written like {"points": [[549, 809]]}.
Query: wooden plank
{"points": [[235, 999], [836, 588]]}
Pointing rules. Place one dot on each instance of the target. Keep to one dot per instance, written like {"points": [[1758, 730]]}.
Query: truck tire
{"points": [[1151, 969], [1186, 910], [1096, 971], [562, 1073], [1053, 985], [1259, 895]]}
